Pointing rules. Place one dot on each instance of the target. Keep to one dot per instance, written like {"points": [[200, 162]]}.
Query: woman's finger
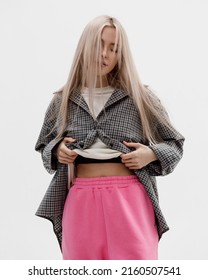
{"points": [[69, 140], [66, 160]]}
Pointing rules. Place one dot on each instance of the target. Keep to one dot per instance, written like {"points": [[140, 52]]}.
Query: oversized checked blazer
{"points": [[118, 121]]}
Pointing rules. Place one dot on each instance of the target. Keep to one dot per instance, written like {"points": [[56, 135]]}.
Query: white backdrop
{"points": [[38, 40]]}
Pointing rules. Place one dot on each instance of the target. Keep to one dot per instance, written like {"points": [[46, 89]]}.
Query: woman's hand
{"points": [[139, 158], [64, 154]]}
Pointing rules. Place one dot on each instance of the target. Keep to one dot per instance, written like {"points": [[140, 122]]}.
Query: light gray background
{"points": [[38, 40]]}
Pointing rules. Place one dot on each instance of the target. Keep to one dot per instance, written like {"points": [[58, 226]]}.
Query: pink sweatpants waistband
{"points": [[106, 181]]}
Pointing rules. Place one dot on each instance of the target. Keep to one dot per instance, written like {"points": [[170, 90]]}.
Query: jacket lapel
{"points": [[77, 98], [117, 95]]}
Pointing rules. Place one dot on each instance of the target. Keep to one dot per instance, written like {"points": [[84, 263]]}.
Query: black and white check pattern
{"points": [[118, 121]]}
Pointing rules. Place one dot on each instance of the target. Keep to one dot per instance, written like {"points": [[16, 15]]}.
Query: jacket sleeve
{"points": [[168, 154], [169, 150], [47, 138]]}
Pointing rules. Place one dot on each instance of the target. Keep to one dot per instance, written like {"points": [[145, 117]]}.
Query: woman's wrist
{"points": [[152, 155]]}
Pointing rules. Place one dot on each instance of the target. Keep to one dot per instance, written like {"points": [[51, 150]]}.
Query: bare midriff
{"points": [[102, 170]]}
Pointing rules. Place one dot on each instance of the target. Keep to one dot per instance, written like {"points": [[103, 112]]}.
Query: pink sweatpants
{"points": [[109, 218]]}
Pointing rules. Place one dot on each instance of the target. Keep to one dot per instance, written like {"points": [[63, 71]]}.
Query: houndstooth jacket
{"points": [[118, 121]]}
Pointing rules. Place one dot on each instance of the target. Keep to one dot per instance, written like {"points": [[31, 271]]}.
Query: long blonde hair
{"points": [[124, 76]]}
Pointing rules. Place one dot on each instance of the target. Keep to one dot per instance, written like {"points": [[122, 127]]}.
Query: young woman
{"points": [[106, 136]]}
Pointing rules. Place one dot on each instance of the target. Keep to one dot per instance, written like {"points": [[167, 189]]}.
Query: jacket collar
{"points": [[78, 99]]}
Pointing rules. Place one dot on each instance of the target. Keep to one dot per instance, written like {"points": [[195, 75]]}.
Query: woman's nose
{"points": [[104, 53]]}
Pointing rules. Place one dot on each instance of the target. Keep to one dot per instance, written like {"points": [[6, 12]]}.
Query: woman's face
{"points": [[109, 57]]}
